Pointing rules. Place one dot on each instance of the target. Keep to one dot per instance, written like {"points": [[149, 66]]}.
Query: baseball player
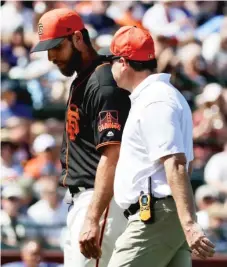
{"points": [[152, 175], [95, 117]]}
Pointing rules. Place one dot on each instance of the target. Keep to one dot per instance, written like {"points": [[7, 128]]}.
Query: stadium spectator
{"points": [[212, 216], [54, 218], [29, 198], [31, 255], [210, 125], [15, 101], [45, 161], [20, 15], [220, 58], [205, 196], [10, 169], [20, 134], [193, 64], [215, 173], [17, 52], [126, 13], [98, 18], [165, 18], [217, 231], [13, 223]]}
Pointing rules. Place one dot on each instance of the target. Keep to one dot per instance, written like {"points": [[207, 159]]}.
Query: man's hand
{"points": [[177, 177], [199, 244], [103, 193], [89, 239]]}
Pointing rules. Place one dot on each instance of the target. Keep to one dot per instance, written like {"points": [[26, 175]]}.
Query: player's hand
{"points": [[199, 244], [89, 239]]}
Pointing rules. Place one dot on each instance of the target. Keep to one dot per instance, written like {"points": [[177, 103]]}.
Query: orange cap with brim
{"points": [[54, 26], [133, 43]]}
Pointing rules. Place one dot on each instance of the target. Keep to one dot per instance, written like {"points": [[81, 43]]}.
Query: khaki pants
{"points": [[159, 244]]}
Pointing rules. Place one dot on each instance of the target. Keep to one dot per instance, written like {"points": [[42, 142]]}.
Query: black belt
{"points": [[133, 208], [74, 190]]}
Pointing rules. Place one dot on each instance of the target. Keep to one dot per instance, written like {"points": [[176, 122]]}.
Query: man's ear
{"points": [[77, 39], [123, 61]]}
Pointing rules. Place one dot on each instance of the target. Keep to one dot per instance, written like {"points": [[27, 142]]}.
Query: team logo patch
{"points": [[72, 124], [108, 120], [40, 28]]}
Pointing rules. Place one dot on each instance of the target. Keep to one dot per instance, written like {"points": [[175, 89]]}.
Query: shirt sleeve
{"points": [[111, 109], [161, 131]]}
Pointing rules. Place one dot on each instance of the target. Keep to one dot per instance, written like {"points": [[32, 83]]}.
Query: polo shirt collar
{"points": [[150, 79]]}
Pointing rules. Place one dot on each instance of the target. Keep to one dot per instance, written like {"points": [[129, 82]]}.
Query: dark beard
{"points": [[74, 63]]}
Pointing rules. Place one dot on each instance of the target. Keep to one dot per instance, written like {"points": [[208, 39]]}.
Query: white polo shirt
{"points": [[159, 124]]}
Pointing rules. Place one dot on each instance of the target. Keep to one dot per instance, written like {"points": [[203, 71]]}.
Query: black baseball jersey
{"points": [[95, 117]]}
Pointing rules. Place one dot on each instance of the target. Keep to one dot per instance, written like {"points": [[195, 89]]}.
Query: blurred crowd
{"points": [[191, 44]]}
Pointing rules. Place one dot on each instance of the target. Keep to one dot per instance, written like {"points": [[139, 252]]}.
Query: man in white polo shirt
{"points": [[155, 162]]}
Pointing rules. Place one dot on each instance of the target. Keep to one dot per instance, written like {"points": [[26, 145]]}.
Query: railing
{"points": [[220, 260]]}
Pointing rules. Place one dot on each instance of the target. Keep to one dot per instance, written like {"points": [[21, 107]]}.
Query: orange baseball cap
{"points": [[133, 43], [54, 26]]}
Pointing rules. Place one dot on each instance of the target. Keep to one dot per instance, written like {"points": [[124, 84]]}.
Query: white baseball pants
{"points": [[112, 225]]}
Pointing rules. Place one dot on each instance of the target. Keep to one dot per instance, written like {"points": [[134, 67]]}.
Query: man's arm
{"points": [[164, 141], [178, 180], [104, 182], [103, 193], [107, 108]]}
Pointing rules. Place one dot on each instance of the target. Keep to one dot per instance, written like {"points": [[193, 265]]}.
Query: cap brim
{"points": [[46, 45]]}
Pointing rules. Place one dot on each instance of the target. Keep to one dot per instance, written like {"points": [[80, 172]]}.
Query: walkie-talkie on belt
{"points": [[145, 201]]}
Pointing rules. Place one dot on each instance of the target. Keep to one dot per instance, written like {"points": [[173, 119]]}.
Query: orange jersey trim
{"points": [[108, 143]]}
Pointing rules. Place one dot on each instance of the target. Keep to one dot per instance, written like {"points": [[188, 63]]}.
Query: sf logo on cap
{"points": [[40, 28]]}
